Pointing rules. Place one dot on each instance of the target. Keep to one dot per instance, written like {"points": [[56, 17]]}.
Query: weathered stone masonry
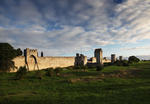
{"points": [[34, 62]]}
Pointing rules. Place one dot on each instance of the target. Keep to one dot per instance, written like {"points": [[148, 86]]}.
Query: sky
{"points": [[67, 27]]}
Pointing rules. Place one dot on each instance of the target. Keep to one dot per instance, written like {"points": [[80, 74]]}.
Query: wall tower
{"points": [[31, 57], [120, 58], [80, 60], [113, 58], [99, 56]]}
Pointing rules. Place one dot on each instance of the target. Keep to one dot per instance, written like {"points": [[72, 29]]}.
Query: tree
{"points": [[21, 73], [7, 53], [121, 63], [133, 59], [19, 52]]}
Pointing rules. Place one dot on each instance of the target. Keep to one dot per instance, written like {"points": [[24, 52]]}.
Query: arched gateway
{"points": [[31, 59]]}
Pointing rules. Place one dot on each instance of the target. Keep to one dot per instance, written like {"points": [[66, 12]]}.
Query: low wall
{"points": [[106, 61]]}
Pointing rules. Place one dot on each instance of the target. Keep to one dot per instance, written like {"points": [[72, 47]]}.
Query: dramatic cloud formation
{"points": [[137, 48], [59, 27]]}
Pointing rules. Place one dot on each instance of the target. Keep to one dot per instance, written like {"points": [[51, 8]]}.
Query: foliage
{"points": [[6, 65], [83, 67], [7, 53], [20, 74], [77, 67], [57, 71], [133, 59], [39, 74], [125, 63], [50, 72], [108, 64], [70, 67], [121, 63], [18, 52], [99, 67]]}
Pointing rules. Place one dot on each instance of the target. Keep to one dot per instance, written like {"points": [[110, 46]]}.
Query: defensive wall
{"points": [[34, 62]]}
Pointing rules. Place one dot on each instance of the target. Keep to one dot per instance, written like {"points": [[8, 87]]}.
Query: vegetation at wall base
{"points": [[38, 74], [81, 68], [84, 67], [77, 67], [130, 61], [57, 71], [99, 67], [21, 73], [121, 63], [50, 72]]}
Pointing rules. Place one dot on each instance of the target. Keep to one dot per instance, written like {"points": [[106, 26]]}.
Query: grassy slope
{"points": [[58, 90]]}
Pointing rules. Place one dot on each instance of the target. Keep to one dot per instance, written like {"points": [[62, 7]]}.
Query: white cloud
{"points": [[66, 26], [137, 48], [133, 16]]}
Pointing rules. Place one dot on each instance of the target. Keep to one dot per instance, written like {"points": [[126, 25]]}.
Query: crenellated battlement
{"points": [[28, 52], [33, 50]]}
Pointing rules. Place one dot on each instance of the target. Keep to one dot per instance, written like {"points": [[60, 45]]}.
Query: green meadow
{"points": [[112, 85]]}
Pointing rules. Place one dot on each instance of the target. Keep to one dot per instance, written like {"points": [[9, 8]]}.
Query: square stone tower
{"points": [[31, 58], [99, 56], [113, 58], [28, 52], [80, 60], [120, 58]]}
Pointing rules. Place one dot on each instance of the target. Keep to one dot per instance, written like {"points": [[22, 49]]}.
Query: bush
{"points": [[118, 63], [108, 64], [39, 74], [20, 74], [57, 71], [121, 63], [50, 72], [84, 67], [125, 63], [133, 59], [99, 68], [77, 67], [70, 67]]}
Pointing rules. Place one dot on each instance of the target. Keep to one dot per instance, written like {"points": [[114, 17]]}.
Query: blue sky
{"points": [[65, 27]]}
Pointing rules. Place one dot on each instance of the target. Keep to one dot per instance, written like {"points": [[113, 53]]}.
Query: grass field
{"points": [[113, 85]]}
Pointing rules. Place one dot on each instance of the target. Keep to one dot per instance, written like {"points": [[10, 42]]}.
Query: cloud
{"points": [[137, 48], [61, 26], [132, 17]]}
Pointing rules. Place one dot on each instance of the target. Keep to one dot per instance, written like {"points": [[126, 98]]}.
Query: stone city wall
{"points": [[43, 62]]}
